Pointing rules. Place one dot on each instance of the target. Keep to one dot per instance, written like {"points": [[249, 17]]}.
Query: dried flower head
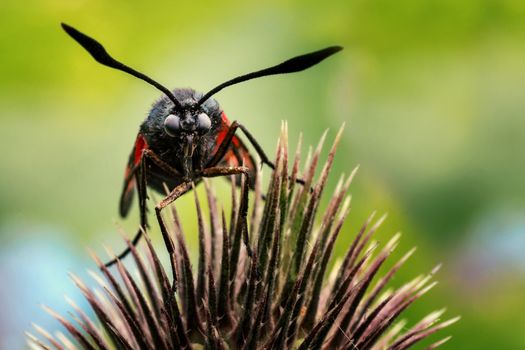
{"points": [[282, 297]]}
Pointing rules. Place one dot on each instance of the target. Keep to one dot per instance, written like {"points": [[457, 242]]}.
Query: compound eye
{"points": [[204, 122], [172, 125]]}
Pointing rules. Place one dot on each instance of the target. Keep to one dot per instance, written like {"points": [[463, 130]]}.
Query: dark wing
{"points": [[126, 198]]}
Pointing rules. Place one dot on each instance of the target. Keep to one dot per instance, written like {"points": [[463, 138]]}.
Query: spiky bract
{"points": [[279, 298]]}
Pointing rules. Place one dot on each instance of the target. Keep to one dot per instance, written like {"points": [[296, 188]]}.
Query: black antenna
{"points": [[295, 64], [100, 54]]}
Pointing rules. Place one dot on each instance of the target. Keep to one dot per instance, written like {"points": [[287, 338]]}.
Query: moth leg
{"points": [[226, 142], [170, 198], [140, 174], [236, 170], [160, 163]]}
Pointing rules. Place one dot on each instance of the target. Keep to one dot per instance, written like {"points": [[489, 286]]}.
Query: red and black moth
{"points": [[186, 137]]}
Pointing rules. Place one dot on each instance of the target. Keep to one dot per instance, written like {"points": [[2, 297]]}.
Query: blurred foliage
{"points": [[432, 92]]}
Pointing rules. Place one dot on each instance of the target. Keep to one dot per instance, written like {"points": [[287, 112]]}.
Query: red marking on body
{"points": [[140, 146], [131, 186], [230, 156], [225, 125]]}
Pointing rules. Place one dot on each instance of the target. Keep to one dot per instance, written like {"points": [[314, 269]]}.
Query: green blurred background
{"points": [[432, 93]]}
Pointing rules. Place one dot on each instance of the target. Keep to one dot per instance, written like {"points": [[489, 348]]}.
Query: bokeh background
{"points": [[432, 93]]}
